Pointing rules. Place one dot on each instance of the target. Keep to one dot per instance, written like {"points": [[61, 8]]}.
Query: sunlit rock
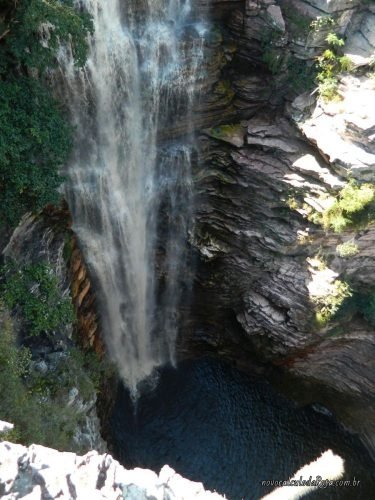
{"points": [[39, 472]]}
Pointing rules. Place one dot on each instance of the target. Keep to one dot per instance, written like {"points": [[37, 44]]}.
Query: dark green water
{"points": [[216, 425]]}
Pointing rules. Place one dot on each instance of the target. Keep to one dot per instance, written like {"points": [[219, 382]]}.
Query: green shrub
{"points": [[321, 23], [36, 403], [330, 64], [272, 56], [352, 201], [328, 88], [366, 305], [36, 30], [34, 144], [34, 289], [362, 304], [300, 75], [34, 138], [330, 305], [334, 40], [347, 249]]}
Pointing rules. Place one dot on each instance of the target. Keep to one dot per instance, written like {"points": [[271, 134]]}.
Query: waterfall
{"points": [[130, 198]]}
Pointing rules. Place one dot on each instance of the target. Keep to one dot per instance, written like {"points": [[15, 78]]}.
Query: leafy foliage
{"points": [[301, 75], [35, 290], [38, 27], [366, 305], [34, 143], [329, 305], [273, 59], [334, 40], [34, 139], [322, 22], [347, 249], [330, 64], [37, 403], [361, 304], [349, 206]]}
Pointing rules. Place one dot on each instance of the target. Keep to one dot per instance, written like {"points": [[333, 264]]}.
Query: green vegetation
{"points": [[34, 290], [273, 59], [300, 75], [353, 207], [365, 304], [347, 249], [329, 305], [350, 206], [330, 64], [36, 403], [298, 24], [34, 139], [321, 23], [223, 88], [226, 131], [360, 304], [292, 202], [35, 29], [34, 143]]}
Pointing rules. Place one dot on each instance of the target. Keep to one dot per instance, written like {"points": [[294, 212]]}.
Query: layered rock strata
{"points": [[264, 264]]}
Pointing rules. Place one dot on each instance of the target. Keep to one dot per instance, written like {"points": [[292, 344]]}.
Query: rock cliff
{"points": [[58, 370], [268, 266]]}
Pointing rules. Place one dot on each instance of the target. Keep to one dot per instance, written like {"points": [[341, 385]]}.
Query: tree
{"points": [[34, 142], [34, 137]]}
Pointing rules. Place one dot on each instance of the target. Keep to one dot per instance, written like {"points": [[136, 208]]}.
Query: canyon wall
{"points": [[59, 371], [277, 156], [271, 156]]}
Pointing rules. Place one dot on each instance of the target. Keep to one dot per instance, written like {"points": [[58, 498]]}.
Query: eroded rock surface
{"points": [[262, 175], [43, 473], [344, 130]]}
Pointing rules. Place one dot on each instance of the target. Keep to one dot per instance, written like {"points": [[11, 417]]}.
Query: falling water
{"points": [[131, 199]]}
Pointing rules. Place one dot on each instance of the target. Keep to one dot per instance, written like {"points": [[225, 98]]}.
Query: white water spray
{"points": [[141, 73]]}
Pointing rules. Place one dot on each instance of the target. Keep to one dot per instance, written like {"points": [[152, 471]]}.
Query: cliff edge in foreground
{"points": [[43, 473]]}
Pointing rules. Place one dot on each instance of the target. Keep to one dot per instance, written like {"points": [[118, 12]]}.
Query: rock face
{"points": [[42, 473], [262, 175], [46, 238], [344, 130]]}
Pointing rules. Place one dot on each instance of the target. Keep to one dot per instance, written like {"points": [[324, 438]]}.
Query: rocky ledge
{"points": [[43, 473]]}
